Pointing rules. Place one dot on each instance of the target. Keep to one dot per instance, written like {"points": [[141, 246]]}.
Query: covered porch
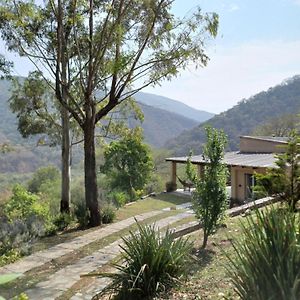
{"points": [[242, 167]]}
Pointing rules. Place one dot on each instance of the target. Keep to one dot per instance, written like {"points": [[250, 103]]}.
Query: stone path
{"points": [[112, 251], [40, 258], [62, 280]]}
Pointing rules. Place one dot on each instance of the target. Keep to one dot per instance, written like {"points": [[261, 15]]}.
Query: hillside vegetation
{"points": [[159, 126], [243, 118]]}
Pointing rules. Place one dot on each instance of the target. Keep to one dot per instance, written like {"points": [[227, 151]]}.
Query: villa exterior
{"points": [[256, 155]]}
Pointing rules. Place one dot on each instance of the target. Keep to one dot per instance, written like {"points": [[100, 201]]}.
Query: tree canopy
{"points": [[97, 54], [128, 163]]}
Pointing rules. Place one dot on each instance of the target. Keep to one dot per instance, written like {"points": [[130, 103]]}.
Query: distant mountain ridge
{"points": [[159, 126], [243, 117], [174, 106]]}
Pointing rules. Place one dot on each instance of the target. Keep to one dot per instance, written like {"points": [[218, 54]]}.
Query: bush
{"points": [[42, 176], [171, 186], [108, 214], [82, 214], [150, 263], [119, 198], [266, 264], [23, 204], [62, 221], [17, 236]]}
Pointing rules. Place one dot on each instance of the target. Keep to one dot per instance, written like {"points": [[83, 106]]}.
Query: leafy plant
{"points": [[210, 198], [266, 261], [284, 181], [108, 214], [62, 221], [24, 204], [128, 164], [119, 198], [17, 236], [150, 263], [82, 214], [41, 176]]}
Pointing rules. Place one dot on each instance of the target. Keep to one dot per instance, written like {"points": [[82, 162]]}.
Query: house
{"points": [[256, 155]]}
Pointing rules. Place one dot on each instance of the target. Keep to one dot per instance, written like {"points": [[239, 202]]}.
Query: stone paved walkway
{"points": [[62, 280], [40, 258]]}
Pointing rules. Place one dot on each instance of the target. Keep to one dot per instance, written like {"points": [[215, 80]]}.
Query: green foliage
{"points": [[108, 214], [210, 198], [284, 181], [82, 214], [150, 263], [16, 236], [9, 256], [128, 164], [24, 204], [119, 199], [62, 221], [44, 175], [266, 261]]}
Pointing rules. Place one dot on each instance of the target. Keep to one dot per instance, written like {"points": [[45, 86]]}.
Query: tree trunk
{"points": [[66, 159], [205, 239], [90, 177]]}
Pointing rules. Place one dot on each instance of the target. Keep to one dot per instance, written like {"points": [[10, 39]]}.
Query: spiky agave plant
{"points": [[266, 261], [150, 263]]}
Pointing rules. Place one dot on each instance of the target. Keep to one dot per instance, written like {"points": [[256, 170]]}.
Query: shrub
{"points": [[23, 204], [108, 214], [82, 214], [119, 198], [17, 236], [150, 263], [62, 221], [266, 264], [171, 186], [42, 176]]}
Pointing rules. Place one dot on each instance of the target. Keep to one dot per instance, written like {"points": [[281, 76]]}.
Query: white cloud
{"points": [[234, 74]]}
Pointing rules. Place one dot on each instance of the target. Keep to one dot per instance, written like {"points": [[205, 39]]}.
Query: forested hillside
{"points": [[243, 118], [159, 126]]}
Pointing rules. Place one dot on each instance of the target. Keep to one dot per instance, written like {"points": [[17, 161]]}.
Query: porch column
{"points": [[234, 183], [200, 170], [173, 172]]}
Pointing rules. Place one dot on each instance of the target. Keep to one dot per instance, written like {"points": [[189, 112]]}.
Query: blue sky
{"points": [[258, 46]]}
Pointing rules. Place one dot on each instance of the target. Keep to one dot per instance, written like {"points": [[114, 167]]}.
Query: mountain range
{"points": [[159, 126], [243, 118]]}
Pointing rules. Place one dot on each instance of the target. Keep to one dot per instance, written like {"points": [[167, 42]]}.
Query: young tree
{"points": [[284, 181], [128, 163], [100, 53], [209, 197]]}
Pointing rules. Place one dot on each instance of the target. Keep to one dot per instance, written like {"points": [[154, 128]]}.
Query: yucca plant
{"points": [[150, 263], [266, 261]]}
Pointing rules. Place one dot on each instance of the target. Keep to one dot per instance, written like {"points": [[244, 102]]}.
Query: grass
{"points": [[152, 203], [208, 277], [39, 274], [135, 208]]}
